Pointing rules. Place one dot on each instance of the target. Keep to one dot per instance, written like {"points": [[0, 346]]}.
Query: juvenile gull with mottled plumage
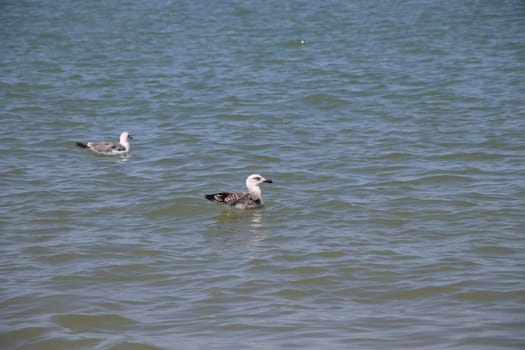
{"points": [[243, 200], [108, 148]]}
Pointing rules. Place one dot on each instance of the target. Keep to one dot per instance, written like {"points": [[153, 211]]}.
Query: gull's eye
{"points": [[257, 178]]}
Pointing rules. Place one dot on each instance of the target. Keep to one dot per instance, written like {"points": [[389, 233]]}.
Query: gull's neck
{"points": [[124, 141], [254, 189]]}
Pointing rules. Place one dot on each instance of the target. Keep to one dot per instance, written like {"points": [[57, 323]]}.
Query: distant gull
{"points": [[108, 148], [243, 200]]}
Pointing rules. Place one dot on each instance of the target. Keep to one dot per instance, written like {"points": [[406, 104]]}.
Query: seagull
{"points": [[243, 200], [108, 148]]}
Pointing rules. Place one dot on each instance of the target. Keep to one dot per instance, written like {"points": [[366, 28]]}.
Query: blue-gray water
{"points": [[394, 132]]}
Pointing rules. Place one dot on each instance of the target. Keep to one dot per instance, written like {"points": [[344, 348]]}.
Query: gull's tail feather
{"points": [[81, 144]]}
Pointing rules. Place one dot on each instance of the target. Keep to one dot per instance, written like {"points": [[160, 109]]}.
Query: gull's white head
{"points": [[253, 181], [125, 137]]}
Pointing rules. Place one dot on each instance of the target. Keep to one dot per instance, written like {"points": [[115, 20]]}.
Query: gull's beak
{"points": [[130, 137], [268, 181]]}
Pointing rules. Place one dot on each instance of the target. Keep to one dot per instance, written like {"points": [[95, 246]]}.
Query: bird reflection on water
{"points": [[239, 225]]}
